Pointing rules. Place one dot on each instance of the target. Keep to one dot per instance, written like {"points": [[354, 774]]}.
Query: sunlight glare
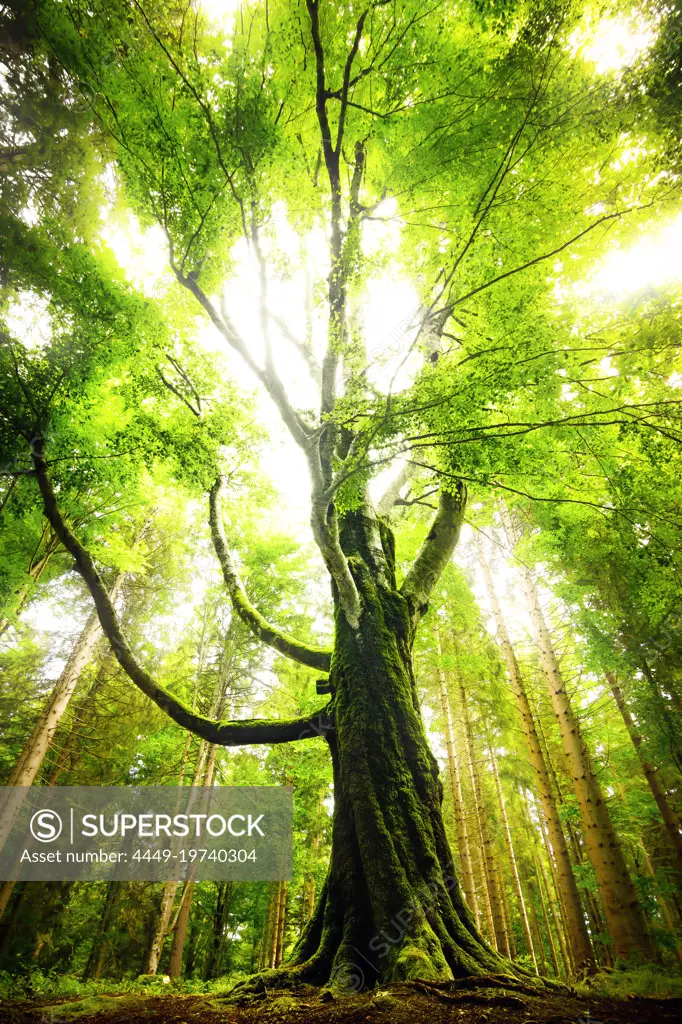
{"points": [[613, 43], [655, 260], [221, 12]]}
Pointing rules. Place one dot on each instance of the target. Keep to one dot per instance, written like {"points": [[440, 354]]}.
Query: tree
{"points": [[354, 107]]}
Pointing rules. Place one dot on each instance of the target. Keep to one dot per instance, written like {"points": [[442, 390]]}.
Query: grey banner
{"points": [[145, 833]]}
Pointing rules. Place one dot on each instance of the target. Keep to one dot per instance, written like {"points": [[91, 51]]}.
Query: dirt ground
{"points": [[413, 1003]]}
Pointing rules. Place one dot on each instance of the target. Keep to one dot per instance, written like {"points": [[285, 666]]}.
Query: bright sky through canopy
{"points": [[613, 43]]}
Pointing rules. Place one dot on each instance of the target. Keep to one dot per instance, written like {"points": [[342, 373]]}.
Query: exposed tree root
{"points": [[504, 981], [475, 998]]}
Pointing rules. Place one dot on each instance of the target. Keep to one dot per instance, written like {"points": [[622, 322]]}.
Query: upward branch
{"points": [[314, 657], [436, 551], [223, 733]]}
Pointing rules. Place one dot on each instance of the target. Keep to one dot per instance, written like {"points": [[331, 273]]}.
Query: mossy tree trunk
{"points": [[391, 907]]}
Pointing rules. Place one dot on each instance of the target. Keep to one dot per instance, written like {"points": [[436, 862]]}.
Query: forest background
{"points": [[271, 267]]}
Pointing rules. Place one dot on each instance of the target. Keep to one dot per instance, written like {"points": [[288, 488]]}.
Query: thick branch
{"points": [[436, 550], [314, 657], [223, 733]]}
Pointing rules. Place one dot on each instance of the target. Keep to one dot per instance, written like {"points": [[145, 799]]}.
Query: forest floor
{"points": [[413, 1003]]}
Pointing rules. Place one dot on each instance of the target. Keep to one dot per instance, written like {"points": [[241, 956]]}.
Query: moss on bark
{"points": [[392, 907]]}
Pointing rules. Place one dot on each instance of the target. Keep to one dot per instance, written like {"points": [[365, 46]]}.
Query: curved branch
{"points": [[314, 657], [436, 551], [226, 734]]}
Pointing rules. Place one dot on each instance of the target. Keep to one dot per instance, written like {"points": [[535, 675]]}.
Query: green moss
{"points": [[98, 1004]]}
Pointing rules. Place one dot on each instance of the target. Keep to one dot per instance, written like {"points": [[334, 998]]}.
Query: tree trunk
{"points": [[486, 840], [33, 754], [95, 964], [308, 895], [561, 922], [180, 930], [165, 910], [35, 570], [554, 917], [545, 917], [204, 770], [482, 865], [665, 909], [525, 924], [624, 916], [281, 924], [214, 958], [391, 907], [670, 818], [454, 778], [577, 932]]}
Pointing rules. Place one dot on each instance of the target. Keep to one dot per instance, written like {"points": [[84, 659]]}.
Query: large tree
{"points": [[486, 141]]}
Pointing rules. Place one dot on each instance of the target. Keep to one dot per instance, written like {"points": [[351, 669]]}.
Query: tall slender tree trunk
{"points": [[281, 924], [577, 931], [551, 906], [516, 879], [539, 943], [203, 776], [31, 758], [624, 916], [455, 781], [545, 916], [663, 904], [95, 964], [670, 818], [561, 921], [180, 930], [480, 880], [214, 957], [35, 570], [308, 895], [204, 770], [496, 907], [274, 928]]}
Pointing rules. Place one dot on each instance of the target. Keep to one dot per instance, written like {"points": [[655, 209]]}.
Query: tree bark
{"points": [[95, 964], [624, 916], [479, 879], [31, 758], [391, 906], [180, 930], [578, 937], [545, 917], [516, 879], [36, 747], [554, 917], [662, 902], [281, 924], [214, 958], [455, 781], [496, 907], [670, 819]]}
